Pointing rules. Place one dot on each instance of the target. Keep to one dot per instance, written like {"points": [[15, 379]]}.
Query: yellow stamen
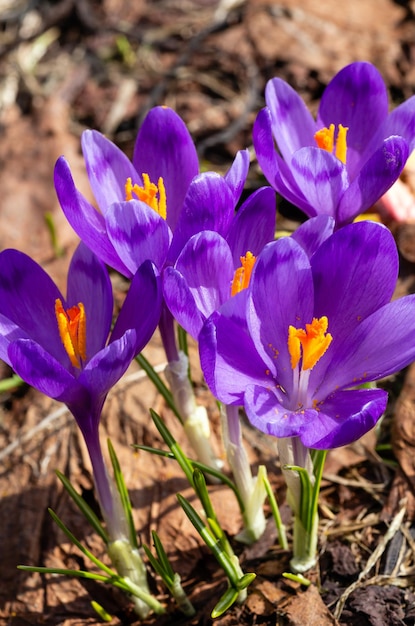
{"points": [[148, 194], [325, 140], [311, 343], [72, 331], [242, 275]]}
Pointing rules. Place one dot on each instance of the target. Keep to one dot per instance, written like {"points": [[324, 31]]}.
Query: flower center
{"points": [[325, 140], [150, 193], [307, 345], [310, 344], [242, 275], [72, 331]]}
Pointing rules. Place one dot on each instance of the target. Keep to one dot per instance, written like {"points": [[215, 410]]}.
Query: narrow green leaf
{"points": [[162, 556], [77, 573], [245, 581], [158, 383], [202, 492], [10, 383], [103, 614], [226, 601], [124, 495], [298, 578], [85, 509], [282, 537], [182, 337], [170, 441], [154, 562], [79, 545]]}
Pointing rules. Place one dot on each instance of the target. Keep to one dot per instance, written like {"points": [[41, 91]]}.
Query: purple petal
{"points": [[321, 177], [356, 98], [181, 302], [380, 345], [208, 205], [86, 221], [40, 370], [280, 295], [253, 225], [266, 413], [106, 368], [376, 176], [108, 169], [9, 332], [89, 283], [343, 418], [27, 298], [355, 273], [165, 148], [138, 234], [142, 307], [228, 356], [275, 169], [206, 265], [401, 121], [237, 173], [293, 126], [313, 233]]}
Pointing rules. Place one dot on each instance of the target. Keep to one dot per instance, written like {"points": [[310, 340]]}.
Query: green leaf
{"points": [[245, 581], [158, 383], [123, 491], [85, 509], [103, 614], [226, 601], [10, 383], [170, 441], [282, 537], [162, 556]]}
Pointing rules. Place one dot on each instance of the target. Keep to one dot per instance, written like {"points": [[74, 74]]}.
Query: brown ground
{"points": [[70, 64]]}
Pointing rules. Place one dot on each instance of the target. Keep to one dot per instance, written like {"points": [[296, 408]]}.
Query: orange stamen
{"points": [[310, 343], [148, 194], [325, 140], [242, 275], [72, 331]]}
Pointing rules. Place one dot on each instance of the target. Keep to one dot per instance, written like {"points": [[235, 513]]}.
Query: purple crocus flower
{"points": [[295, 345], [144, 202], [64, 347], [341, 163]]}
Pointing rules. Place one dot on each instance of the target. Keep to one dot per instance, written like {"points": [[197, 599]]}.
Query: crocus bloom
{"points": [[295, 345], [341, 163], [63, 346]]}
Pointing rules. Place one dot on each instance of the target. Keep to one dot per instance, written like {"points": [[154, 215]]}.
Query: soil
{"points": [[66, 65]]}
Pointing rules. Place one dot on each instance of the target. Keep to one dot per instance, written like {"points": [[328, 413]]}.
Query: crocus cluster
{"points": [[290, 330]]}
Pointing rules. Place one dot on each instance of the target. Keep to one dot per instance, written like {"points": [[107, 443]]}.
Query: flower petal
{"points": [[321, 178], [138, 234], [142, 307], [380, 345], [253, 225], [209, 205], [108, 169], [280, 295], [344, 417], [9, 332], [400, 121], [265, 412], [181, 302], [228, 356], [106, 368], [86, 221], [89, 283], [375, 177], [356, 98], [354, 272], [293, 126], [27, 298], [40, 370], [237, 173], [275, 169], [165, 148], [313, 233]]}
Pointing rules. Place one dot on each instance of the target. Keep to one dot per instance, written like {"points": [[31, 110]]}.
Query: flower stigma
{"points": [[325, 140], [148, 194], [242, 275], [72, 331]]}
